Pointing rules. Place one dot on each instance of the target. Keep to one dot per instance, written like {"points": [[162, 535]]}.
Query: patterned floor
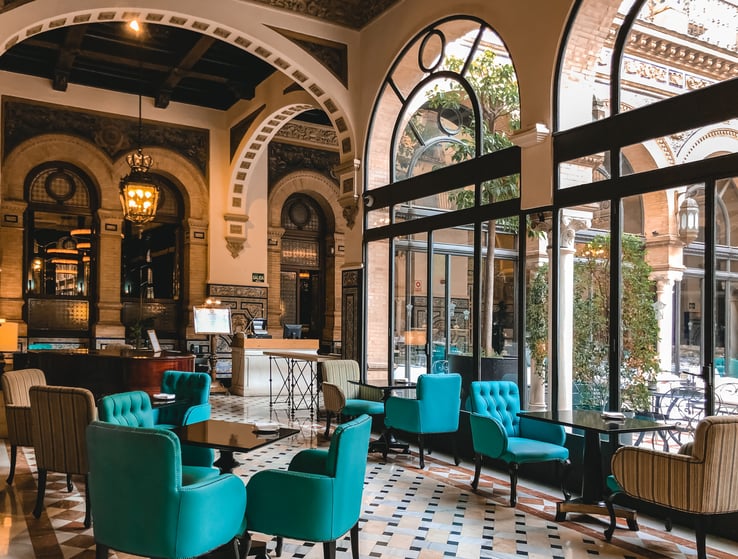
{"points": [[408, 512]]}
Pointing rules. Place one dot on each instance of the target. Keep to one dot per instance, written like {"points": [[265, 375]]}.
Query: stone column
{"points": [[108, 324], [274, 267], [539, 254], [571, 222], [665, 316]]}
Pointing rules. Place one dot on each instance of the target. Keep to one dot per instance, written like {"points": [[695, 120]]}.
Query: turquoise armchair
{"points": [[498, 432], [143, 503], [319, 497], [189, 386], [435, 410], [134, 409]]}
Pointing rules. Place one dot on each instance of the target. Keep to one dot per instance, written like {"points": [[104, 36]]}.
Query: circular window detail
{"points": [[60, 186], [299, 214]]}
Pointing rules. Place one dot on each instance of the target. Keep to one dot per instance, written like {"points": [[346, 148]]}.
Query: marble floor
{"points": [[407, 512]]}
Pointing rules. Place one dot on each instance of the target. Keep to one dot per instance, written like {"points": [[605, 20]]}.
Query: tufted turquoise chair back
{"points": [[134, 409], [499, 400], [186, 385], [141, 504], [127, 408]]}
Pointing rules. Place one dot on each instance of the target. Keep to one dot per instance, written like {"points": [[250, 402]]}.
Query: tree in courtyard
{"points": [[496, 86]]}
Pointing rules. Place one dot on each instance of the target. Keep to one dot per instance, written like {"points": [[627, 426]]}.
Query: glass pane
{"points": [[702, 30], [377, 313], [640, 324], [538, 309], [499, 312], [61, 255], [437, 133], [676, 149], [584, 301], [584, 170], [442, 202], [726, 304], [411, 307], [453, 273]]}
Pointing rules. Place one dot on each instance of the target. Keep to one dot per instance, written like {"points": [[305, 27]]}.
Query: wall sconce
{"points": [[688, 219]]}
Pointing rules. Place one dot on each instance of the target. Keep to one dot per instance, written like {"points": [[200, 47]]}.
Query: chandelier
{"points": [[139, 195]]}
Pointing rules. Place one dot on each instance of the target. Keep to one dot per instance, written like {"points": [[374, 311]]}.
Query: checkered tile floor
{"points": [[407, 513]]}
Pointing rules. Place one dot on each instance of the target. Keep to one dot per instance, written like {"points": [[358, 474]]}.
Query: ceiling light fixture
{"points": [[139, 194]]}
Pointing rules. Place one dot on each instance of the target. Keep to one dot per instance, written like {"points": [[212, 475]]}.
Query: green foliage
{"points": [[639, 324], [536, 320]]}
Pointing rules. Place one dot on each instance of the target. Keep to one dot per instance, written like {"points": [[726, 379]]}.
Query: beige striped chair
{"points": [[15, 386], [60, 417], [702, 480], [343, 397]]}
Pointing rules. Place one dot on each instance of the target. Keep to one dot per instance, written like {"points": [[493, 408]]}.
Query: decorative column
{"points": [[571, 222], [539, 254], [274, 267], [665, 282], [108, 324]]}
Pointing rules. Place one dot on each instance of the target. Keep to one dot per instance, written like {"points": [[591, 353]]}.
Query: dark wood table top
{"points": [[230, 435], [592, 420]]}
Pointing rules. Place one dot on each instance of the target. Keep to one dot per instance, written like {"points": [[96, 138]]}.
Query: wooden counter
{"points": [[251, 362], [105, 373]]}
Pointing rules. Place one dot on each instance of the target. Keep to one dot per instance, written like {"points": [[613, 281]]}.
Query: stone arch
{"points": [[709, 141], [322, 189], [252, 147], [81, 153]]}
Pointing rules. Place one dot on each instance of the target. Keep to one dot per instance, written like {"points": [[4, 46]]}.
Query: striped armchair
{"points": [[60, 416], [16, 385], [700, 480], [344, 398]]}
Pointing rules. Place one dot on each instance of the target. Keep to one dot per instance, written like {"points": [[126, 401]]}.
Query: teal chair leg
{"points": [[514, 467], [420, 451], [477, 470], [329, 550], [355, 541], [101, 551]]}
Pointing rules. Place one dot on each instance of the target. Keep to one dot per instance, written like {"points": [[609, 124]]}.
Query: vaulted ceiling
{"points": [[163, 62]]}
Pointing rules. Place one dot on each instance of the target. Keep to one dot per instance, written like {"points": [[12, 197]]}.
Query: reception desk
{"points": [[251, 362], [105, 373]]}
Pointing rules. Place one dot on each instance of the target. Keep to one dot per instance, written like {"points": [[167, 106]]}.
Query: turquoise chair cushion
{"points": [[354, 408], [187, 386], [319, 497], [434, 410], [142, 502]]}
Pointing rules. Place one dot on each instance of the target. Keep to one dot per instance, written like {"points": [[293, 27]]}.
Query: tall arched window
{"points": [[61, 250], [646, 156], [442, 202]]}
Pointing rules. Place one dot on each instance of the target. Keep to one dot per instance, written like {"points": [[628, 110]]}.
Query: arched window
{"points": [[442, 200], [646, 158], [61, 249]]}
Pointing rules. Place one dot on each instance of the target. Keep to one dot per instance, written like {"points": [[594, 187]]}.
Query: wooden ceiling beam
{"points": [[181, 69], [67, 54]]}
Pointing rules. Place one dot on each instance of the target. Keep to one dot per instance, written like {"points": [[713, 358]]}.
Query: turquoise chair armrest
{"points": [[542, 431], [291, 504], [488, 435], [195, 414], [310, 461], [403, 414], [211, 512]]}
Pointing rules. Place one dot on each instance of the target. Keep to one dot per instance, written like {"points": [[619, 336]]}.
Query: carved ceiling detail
{"points": [[349, 13]]}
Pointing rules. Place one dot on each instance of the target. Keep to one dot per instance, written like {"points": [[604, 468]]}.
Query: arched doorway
{"points": [[302, 275]]}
